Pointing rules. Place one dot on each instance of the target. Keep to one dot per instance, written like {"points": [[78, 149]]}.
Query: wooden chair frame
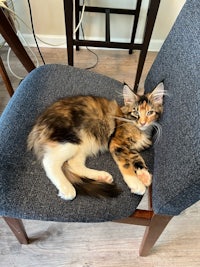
{"points": [[5, 78], [155, 223]]}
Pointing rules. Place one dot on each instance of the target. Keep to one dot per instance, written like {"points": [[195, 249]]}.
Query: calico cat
{"points": [[76, 127]]}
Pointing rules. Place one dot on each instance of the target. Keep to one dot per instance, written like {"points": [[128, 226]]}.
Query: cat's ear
{"points": [[129, 96], [157, 94]]}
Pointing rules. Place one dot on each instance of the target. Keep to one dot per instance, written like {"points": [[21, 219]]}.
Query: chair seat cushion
{"points": [[25, 191]]}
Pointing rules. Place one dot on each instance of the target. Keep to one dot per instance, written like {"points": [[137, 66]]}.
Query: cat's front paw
{"points": [[144, 176], [67, 193], [138, 189], [136, 186]]}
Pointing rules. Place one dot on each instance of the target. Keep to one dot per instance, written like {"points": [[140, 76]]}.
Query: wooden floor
{"points": [[104, 244]]}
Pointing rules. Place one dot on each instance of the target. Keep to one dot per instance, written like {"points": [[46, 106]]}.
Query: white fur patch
{"points": [[136, 186], [53, 160]]}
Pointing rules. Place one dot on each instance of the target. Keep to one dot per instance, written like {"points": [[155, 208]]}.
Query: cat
{"points": [[76, 127]]}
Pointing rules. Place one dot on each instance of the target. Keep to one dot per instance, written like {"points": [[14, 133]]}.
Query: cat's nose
{"points": [[142, 123]]}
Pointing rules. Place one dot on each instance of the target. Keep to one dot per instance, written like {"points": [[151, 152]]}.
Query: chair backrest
{"points": [[176, 183]]}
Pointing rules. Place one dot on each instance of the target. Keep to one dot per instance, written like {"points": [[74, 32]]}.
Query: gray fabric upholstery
{"points": [[176, 182], [25, 191]]}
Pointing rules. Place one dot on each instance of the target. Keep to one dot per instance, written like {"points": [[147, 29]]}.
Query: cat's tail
{"points": [[89, 187]]}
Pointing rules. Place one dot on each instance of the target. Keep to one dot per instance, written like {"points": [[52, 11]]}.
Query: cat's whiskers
{"points": [[119, 93], [158, 134], [123, 119]]}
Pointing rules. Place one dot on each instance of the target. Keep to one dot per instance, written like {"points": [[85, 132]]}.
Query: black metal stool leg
{"points": [[68, 8], [77, 18], [136, 17], [150, 21]]}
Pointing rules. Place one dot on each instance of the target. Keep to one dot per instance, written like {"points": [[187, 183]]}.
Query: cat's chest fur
{"points": [[127, 134]]}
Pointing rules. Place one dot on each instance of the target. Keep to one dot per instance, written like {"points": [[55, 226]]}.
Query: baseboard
{"points": [[59, 41]]}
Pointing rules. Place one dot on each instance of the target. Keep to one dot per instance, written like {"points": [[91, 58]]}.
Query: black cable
{"points": [[97, 57], [32, 26]]}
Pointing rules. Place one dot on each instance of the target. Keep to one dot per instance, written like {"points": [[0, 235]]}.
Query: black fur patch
{"points": [[139, 165], [63, 134], [142, 99], [61, 129], [77, 116], [97, 189], [118, 150]]}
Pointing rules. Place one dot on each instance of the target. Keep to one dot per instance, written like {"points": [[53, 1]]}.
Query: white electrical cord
{"points": [[2, 4], [16, 16], [21, 37], [81, 18], [28, 46], [8, 57]]}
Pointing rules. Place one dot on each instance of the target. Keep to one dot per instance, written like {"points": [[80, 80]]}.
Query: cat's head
{"points": [[143, 110]]}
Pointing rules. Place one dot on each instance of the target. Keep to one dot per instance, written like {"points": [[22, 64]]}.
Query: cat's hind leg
{"points": [[88, 147], [54, 157], [77, 165]]}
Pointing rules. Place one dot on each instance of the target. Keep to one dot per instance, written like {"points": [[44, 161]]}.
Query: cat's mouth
{"points": [[143, 128]]}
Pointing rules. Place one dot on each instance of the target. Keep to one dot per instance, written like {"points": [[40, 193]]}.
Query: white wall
{"points": [[48, 16]]}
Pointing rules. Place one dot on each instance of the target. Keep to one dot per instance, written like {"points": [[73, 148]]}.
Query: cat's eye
{"points": [[150, 112]]}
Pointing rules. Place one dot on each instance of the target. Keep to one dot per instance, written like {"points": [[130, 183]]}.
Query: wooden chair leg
{"points": [[153, 231], [17, 227], [13, 41], [5, 78]]}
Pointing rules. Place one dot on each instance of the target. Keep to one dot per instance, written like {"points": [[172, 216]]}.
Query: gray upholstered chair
{"points": [[176, 183], [26, 193]]}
